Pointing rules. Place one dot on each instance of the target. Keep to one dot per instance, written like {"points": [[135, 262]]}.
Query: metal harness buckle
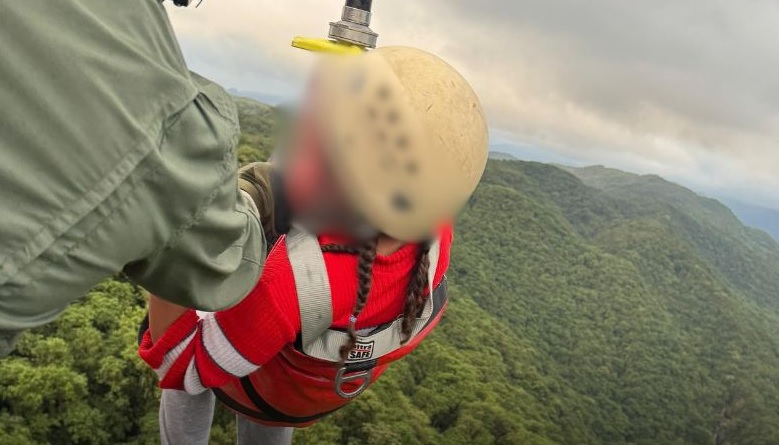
{"points": [[341, 378]]}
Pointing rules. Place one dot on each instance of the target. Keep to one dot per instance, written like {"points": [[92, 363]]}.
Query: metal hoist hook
{"points": [[351, 35]]}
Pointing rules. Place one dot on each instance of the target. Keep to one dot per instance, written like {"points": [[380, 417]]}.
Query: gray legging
{"points": [[186, 420]]}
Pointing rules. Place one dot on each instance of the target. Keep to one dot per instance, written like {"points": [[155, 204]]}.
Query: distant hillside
{"points": [[747, 257], [270, 99], [533, 153], [588, 307], [611, 179], [258, 129], [652, 308], [500, 156]]}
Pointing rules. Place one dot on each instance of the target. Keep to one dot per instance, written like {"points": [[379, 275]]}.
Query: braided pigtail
{"points": [[340, 248], [415, 294], [366, 257]]}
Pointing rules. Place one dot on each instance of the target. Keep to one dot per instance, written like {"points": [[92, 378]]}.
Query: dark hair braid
{"points": [[415, 294], [341, 248], [367, 255]]}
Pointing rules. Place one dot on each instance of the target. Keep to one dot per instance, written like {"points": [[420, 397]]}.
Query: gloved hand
{"points": [[265, 186]]}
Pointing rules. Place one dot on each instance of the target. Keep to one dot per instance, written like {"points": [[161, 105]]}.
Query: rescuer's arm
{"points": [[211, 265], [214, 263], [212, 234], [260, 183], [162, 314], [193, 353]]}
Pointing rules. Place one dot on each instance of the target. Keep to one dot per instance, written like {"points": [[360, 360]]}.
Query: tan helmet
{"points": [[407, 136]]}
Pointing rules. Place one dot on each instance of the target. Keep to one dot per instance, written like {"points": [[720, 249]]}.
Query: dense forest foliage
{"points": [[589, 306]]}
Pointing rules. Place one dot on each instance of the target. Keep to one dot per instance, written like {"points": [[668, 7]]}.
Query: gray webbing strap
{"points": [[311, 283], [325, 343]]}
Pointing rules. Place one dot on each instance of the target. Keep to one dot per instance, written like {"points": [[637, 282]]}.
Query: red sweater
{"points": [[199, 352]]}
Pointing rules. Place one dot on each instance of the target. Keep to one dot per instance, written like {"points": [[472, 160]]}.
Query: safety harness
{"points": [[305, 381]]}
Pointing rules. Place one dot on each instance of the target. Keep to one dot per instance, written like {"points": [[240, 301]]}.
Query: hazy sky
{"points": [[682, 88]]}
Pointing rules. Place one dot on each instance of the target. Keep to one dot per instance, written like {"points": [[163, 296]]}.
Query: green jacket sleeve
{"points": [[214, 257], [214, 263], [114, 156]]}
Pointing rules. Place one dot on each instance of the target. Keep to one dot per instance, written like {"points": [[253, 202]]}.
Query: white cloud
{"points": [[684, 90]]}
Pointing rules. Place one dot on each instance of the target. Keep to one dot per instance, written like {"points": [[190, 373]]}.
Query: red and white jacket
{"points": [[216, 350]]}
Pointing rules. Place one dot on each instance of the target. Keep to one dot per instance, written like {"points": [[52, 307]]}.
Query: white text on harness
{"points": [[361, 351]]}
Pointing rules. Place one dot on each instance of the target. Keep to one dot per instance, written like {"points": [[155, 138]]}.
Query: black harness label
{"points": [[361, 351]]}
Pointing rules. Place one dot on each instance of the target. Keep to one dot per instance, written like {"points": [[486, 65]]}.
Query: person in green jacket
{"points": [[114, 157]]}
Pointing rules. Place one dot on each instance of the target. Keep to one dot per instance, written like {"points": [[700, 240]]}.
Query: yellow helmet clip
{"points": [[326, 45]]}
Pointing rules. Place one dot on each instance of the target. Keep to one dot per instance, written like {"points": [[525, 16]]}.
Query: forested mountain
{"points": [[588, 306], [746, 257]]}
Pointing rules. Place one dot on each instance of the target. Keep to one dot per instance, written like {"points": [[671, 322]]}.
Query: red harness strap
{"points": [[294, 389]]}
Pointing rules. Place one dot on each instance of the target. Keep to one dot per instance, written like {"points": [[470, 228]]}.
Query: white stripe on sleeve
{"points": [[222, 351], [173, 355]]}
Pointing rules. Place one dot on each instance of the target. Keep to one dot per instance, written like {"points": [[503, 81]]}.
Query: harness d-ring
{"points": [[341, 378]]}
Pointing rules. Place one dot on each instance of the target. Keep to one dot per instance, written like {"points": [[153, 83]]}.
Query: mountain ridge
{"points": [[501, 156], [586, 308], [744, 255]]}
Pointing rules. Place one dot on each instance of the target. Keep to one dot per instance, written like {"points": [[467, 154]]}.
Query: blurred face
{"points": [[312, 191], [307, 179]]}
